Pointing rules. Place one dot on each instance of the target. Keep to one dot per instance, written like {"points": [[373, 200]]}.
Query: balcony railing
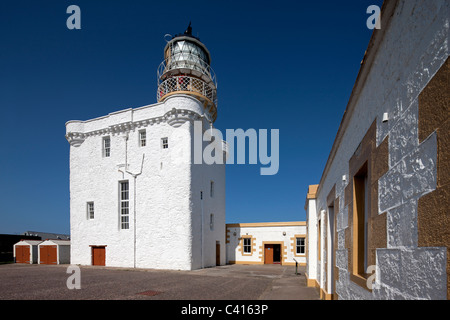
{"points": [[187, 84], [187, 67]]}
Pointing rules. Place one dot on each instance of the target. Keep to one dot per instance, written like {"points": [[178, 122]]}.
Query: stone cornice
{"points": [[174, 117]]}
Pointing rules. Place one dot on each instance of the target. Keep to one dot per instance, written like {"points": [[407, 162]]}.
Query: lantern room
{"points": [[186, 70]]}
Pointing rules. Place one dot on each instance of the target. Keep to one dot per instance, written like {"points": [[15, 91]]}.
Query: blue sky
{"points": [[287, 65]]}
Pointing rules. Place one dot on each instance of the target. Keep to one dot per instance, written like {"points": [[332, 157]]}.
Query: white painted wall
{"points": [[311, 218], [163, 205], [415, 46]]}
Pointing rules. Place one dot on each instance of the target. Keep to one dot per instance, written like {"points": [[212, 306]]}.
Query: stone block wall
{"points": [[407, 234]]}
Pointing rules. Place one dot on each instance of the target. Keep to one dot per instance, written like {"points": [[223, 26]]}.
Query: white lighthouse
{"points": [[136, 197], [186, 69]]}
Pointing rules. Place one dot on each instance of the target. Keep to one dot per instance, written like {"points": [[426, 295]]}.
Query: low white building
{"points": [[137, 197], [26, 251], [54, 252], [267, 243]]}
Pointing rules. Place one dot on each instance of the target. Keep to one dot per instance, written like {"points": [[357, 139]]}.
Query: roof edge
{"points": [[266, 224], [387, 11]]}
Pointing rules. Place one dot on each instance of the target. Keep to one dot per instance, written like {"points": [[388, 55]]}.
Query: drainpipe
{"points": [[134, 175], [201, 234]]}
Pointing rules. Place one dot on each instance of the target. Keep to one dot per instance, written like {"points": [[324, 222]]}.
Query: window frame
{"points": [[124, 205], [211, 221], [360, 221], [165, 143], [90, 210], [211, 190], [249, 246], [142, 138], [319, 240], [300, 246], [106, 150]]}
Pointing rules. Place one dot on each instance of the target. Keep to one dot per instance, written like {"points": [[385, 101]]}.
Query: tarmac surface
{"points": [[230, 282]]}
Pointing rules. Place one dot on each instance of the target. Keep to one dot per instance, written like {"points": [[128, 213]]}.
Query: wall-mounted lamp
{"points": [[385, 117], [284, 233]]}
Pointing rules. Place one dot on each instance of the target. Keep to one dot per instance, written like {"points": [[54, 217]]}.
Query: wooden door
{"points": [[22, 254], [43, 256], [48, 255], [98, 256], [268, 254], [52, 252], [217, 254]]}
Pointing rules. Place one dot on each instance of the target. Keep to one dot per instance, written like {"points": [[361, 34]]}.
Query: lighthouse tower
{"points": [[186, 70], [137, 199]]}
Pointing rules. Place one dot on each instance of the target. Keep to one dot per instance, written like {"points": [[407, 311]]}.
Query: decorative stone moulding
{"points": [[75, 138], [176, 117]]}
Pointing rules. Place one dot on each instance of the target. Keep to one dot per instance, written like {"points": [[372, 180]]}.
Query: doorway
{"points": [[98, 256], [48, 255], [22, 254], [272, 254], [217, 253]]}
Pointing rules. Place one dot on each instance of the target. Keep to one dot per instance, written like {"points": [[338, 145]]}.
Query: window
{"points": [[90, 210], [300, 246], [248, 245], [211, 221], [360, 221], [124, 205], [165, 143], [106, 147], [142, 138], [319, 234], [211, 191]]}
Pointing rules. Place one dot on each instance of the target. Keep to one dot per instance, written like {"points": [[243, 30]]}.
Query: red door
{"points": [[98, 256], [22, 254], [268, 254], [48, 255]]}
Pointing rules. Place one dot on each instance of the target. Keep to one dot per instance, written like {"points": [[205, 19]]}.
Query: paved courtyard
{"points": [[231, 282]]}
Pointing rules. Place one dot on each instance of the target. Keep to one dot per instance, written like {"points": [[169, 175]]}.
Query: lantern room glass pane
{"points": [[186, 54]]}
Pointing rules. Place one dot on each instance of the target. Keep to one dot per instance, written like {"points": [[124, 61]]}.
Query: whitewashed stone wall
{"points": [[311, 220], [414, 47], [164, 189]]}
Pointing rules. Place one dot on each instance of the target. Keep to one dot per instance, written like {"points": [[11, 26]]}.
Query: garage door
{"points": [[22, 254], [98, 256], [48, 255]]}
